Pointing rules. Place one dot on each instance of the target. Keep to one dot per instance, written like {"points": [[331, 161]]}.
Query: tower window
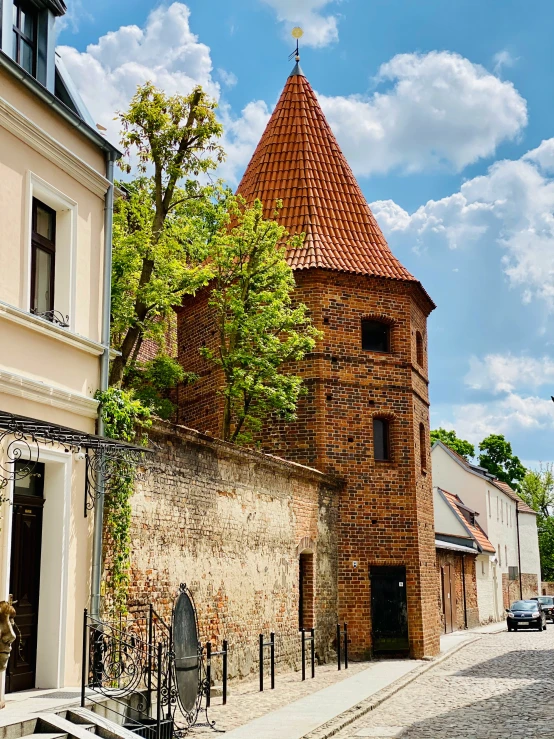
{"points": [[423, 447], [25, 36], [375, 336], [381, 439], [419, 348]]}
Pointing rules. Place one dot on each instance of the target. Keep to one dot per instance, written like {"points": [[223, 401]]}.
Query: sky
{"points": [[445, 111]]}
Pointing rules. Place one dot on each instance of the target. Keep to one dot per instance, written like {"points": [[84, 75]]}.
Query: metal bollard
{"points": [[313, 652], [303, 654], [225, 650], [208, 674], [338, 647], [272, 641], [261, 663]]}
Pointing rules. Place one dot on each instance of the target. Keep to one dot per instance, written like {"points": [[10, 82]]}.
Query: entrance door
{"points": [[448, 599], [25, 578], [389, 611]]}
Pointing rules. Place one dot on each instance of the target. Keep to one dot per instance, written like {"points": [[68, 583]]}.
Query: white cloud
{"points": [[165, 52], [512, 206], [241, 136], [440, 110], [319, 29], [503, 59], [229, 79], [506, 373], [509, 415]]}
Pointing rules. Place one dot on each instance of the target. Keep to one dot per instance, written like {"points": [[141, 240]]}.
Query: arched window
{"points": [[375, 336], [423, 447], [419, 348], [381, 439]]}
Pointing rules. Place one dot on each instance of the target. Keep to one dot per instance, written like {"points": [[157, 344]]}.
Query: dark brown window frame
{"points": [[385, 324], [48, 245], [386, 439], [28, 9]]}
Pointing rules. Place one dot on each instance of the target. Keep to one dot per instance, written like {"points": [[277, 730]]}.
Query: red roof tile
{"points": [[521, 505], [476, 531], [298, 161]]}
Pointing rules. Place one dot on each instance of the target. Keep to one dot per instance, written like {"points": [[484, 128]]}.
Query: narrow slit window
{"points": [[375, 336], [43, 259], [422, 447], [419, 348], [381, 439]]}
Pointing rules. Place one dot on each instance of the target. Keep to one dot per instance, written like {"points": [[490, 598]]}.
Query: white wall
{"points": [[530, 557], [497, 516]]}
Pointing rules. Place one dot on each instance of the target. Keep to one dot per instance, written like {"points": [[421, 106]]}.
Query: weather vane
{"points": [[296, 33]]}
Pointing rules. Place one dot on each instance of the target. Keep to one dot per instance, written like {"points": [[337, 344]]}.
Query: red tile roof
{"points": [[458, 506], [298, 161]]}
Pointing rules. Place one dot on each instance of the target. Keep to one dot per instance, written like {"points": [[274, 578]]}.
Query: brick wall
{"points": [[511, 588], [386, 509], [231, 523], [458, 561], [547, 588]]}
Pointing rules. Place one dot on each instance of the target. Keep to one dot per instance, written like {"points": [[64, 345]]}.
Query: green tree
{"points": [[449, 438], [163, 227], [260, 329], [497, 457], [537, 490]]}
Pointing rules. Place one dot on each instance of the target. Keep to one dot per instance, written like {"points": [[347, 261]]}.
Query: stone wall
{"points": [[547, 588], [464, 569], [511, 589], [231, 524]]}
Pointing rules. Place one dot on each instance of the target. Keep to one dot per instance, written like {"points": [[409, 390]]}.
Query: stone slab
{"points": [[381, 732]]}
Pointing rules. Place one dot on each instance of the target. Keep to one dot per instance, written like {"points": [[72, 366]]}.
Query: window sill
{"points": [[46, 327]]}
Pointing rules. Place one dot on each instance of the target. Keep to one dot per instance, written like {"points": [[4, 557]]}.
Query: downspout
{"points": [[96, 574], [518, 553], [464, 589]]}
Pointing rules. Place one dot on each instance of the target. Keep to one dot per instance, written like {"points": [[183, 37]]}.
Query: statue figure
{"points": [[7, 638]]}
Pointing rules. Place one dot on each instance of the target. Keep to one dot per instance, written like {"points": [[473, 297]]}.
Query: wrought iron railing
{"points": [[128, 674]]}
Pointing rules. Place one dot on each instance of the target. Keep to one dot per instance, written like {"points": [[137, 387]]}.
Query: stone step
{"points": [[45, 735]]}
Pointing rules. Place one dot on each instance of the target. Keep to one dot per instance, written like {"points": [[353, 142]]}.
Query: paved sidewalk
{"points": [[307, 715]]}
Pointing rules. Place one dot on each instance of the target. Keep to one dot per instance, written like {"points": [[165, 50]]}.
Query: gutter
{"points": [[96, 573], [519, 553], [47, 97]]}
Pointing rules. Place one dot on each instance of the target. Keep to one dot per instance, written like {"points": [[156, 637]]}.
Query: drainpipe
{"points": [[96, 574], [464, 588], [518, 554]]}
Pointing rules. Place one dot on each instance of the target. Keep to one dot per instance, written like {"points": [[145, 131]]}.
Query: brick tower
{"points": [[365, 416]]}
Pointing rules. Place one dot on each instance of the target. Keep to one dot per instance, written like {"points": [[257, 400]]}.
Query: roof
{"points": [[458, 506], [521, 504], [299, 162], [440, 544]]}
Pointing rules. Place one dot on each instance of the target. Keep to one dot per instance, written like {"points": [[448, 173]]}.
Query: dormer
{"points": [[28, 36]]}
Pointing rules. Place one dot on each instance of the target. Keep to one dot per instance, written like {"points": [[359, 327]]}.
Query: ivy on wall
{"points": [[126, 419]]}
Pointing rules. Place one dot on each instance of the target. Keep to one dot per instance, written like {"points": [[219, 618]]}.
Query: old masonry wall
{"points": [[232, 524]]}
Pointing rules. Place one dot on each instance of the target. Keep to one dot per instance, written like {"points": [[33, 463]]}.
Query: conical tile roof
{"points": [[298, 161]]}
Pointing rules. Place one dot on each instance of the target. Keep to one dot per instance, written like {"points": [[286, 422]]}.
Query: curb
{"points": [[338, 723]]}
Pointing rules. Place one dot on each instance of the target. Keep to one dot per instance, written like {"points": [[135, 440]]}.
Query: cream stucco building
{"points": [[513, 570], [56, 198]]}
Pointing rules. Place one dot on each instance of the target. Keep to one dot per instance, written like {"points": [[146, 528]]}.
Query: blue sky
{"points": [[445, 112]]}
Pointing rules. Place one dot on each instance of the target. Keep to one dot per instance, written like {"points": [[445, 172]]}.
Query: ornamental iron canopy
{"points": [[22, 437]]}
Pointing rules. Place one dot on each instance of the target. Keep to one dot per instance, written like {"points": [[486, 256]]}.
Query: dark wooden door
{"points": [[389, 610], [24, 588], [447, 603]]}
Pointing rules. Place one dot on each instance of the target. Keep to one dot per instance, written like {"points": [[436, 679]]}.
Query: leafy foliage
{"points": [[163, 227], [537, 490], [497, 457], [124, 418], [449, 438], [259, 327]]}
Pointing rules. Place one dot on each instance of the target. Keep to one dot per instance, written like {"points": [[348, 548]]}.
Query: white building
{"points": [[510, 525]]}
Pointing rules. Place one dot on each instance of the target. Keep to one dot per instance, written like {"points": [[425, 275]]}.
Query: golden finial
{"points": [[296, 33]]}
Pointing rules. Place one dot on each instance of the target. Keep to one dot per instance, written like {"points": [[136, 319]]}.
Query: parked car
{"points": [[526, 614], [547, 604]]}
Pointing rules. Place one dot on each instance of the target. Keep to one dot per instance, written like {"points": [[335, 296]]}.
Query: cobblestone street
{"points": [[500, 687]]}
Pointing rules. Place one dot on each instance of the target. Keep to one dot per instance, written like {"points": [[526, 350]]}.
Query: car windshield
{"points": [[546, 600], [525, 605]]}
